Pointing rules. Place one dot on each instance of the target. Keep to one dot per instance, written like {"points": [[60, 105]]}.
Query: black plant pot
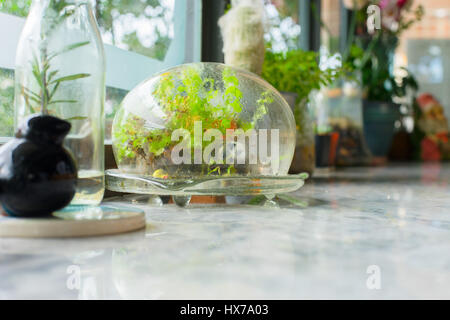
{"points": [[379, 125], [323, 147], [37, 175]]}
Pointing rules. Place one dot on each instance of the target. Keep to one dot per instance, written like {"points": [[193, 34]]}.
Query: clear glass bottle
{"points": [[337, 109], [60, 70]]}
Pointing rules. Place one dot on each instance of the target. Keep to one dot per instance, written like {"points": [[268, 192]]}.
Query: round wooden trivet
{"points": [[75, 222]]}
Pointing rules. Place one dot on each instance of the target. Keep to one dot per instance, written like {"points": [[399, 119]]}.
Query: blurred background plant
{"points": [[297, 71], [6, 97], [387, 91], [283, 28], [17, 7], [373, 52]]}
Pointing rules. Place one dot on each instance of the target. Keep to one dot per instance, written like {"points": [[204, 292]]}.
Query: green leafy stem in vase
{"points": [[49, 81]]}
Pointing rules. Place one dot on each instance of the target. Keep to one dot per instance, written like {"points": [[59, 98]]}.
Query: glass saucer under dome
{"points": [[201, 121]]}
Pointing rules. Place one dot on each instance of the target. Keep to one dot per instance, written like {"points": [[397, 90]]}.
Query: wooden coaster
{"points": [[75, 222]]}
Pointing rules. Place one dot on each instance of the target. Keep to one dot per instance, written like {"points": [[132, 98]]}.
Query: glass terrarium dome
{"points": [[204, 119]]}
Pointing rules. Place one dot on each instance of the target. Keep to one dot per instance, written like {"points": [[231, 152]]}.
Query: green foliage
{"points": [[106, 12], [16, 7], [415, 16], [373, 54], [6, 102], [375, 64], [296, 71], [185, 99], [48, 79], [157, 50]]}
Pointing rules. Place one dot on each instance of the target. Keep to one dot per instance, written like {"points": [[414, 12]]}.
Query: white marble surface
{"points": [[396, 218]]}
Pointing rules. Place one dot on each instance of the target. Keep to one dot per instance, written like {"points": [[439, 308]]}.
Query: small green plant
{"points": [[186, 98], [296, 71], [47, 78], [48, 81]]}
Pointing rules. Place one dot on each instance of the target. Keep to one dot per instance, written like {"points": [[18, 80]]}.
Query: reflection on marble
{"points": [[396, 218]]}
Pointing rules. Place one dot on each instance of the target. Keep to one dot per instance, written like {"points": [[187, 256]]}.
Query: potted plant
{"points": [[373, 54], [296, 73]]}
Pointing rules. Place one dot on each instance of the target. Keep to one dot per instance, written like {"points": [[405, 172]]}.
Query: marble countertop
{"points": [[363, 233]]}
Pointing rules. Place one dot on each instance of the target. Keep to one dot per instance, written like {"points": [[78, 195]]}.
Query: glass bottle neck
{"points": [[57, 9]]}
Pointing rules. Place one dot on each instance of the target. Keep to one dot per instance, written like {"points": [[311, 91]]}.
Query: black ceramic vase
{"points": [[37, 175]]}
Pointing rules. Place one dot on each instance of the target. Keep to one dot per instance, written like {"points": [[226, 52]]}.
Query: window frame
{"points": [[124, 69], [310, 34]]}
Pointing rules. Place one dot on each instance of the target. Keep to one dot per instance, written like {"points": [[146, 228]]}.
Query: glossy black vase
{"points": [[37, 175]]}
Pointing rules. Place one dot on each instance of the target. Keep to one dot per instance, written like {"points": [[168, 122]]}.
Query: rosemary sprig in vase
{"points": [[48, 81], [48, 78]]}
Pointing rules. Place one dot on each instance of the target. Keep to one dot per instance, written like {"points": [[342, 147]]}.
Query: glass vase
{"points": [[60, 71], [304, 156], [337, 111]]}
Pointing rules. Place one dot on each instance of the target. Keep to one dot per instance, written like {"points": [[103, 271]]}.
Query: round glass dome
{"points": [[204, 119]]}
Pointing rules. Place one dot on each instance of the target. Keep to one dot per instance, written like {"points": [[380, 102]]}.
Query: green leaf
{"points": [[72, 77], [35, 70], [31, 93], [37, 76], [51, 75], [31, 97], [68, 48], [55, 88], [76, 118], [63, 101]]}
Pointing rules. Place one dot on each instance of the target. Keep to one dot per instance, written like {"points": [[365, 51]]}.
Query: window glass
{"points": [[18, 8], [6, 102], [145, 27], [425, 50], [113, 99]]}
